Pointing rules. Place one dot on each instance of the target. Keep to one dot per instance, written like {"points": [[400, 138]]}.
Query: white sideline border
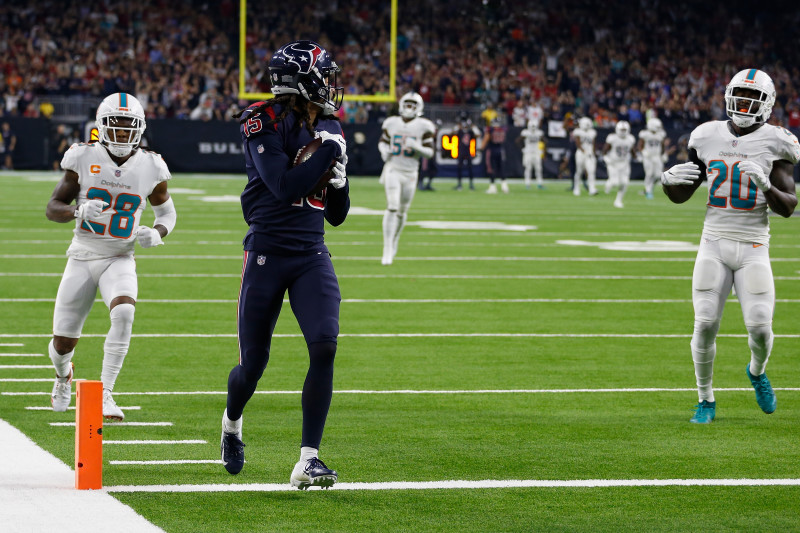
{"points": [[38, 491], [465, 484]]}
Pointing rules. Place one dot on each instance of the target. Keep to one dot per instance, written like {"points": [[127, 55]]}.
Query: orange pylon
{"points": [[89, 435]]}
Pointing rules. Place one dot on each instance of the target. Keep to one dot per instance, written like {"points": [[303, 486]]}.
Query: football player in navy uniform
{"points": [[284, 249]]}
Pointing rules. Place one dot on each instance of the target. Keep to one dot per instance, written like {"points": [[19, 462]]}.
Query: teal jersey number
{"points": [[125, 207], [723, 173]]}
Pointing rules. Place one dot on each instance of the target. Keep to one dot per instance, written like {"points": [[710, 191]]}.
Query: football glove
{"points": [[327, 136], [148, 237], [385, 150], [683, 174], [754, 171], [412, 144], [339, 180], [90, 209]]}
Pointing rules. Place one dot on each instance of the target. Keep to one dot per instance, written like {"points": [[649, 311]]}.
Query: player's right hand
{"points": [[385, 150], [148, 237], [90, 209], [683, 174]]}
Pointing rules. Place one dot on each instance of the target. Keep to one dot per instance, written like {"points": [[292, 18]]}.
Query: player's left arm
{"points": [[782, 196], [164, 208]]}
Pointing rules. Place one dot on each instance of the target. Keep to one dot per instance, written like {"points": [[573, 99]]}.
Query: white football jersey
{"points": [[652, 142], [398, 130], [585, 139], [532, 139], [621, 148], [125, 188], [737, 209]]}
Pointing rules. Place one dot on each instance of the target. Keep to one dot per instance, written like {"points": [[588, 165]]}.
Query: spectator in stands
{"points": [[8, 145]]}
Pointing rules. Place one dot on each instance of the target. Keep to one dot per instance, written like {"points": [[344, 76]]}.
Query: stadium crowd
{"points": [[180, 58]]}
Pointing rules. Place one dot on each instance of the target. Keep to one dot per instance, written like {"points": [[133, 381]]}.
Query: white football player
{"points": [[651, 146], [585, 159], [109, 181], [533, 138], [617, 154], [405, 139], [749, 165]]}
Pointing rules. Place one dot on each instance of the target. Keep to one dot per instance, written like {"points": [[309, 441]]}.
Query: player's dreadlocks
{"points": [[288, 101]]}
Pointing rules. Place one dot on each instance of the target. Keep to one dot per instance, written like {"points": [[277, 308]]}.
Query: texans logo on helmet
{"points": [[305, 56]]}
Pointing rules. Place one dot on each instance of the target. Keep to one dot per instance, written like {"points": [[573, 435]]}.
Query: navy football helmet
{"points": [[307, 69]]}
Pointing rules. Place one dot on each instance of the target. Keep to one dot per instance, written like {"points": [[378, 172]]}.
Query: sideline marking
{"points": [[459, 484], [38, 494]]}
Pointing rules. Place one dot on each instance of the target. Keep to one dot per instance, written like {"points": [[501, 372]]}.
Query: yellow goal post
{"points": [[244, 95]]}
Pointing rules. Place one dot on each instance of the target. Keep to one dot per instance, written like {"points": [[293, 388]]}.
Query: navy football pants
{"points": [[314, 297]]}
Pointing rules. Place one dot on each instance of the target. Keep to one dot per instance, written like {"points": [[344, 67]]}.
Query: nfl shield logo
{"points": [[261, 260], [118, 173], [734, 143], [260, 149]]}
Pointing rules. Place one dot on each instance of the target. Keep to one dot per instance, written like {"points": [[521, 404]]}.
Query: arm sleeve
{"points": [[338, 204], [272, 163]]}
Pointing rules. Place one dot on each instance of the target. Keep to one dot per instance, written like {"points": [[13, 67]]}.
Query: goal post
{"points": [[245, 95]]}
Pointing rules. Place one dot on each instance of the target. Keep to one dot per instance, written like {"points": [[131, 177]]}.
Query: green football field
{"points": [[530, 348]]}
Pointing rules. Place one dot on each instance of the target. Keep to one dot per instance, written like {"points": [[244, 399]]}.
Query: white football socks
{"points": [[117, 341], [760, 340], [60, 362], [306, 453]]}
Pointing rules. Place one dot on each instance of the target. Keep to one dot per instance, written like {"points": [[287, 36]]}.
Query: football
{"points": [[302, 156]]}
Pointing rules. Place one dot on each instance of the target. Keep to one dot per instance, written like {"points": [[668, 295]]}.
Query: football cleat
{"points": [[704, 413], [312, 473], [62, 391], [231, 448], [504, 187], [765, 396], [618, 204], [110, 409], [492, 189]]}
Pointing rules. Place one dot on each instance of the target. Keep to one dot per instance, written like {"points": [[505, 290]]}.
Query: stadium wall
{"points": [[215, 146]]}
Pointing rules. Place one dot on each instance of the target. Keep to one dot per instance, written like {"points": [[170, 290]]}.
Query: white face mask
{"points": [[118, 150]]}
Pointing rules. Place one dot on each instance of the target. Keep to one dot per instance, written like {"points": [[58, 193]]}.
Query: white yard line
{"points": [[169, 462], [425, 391], [412, 335], [21, 355], [411, 276], [30, 367], [26, 380], [465, 484], [238, 257], [72, 408], [38, 494], [188, 441], [116, 424], [11, 344]]}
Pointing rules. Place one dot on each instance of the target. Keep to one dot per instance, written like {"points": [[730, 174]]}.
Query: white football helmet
{"points": [[585, 123], [120, 123], [745, 111], [654, 125], [411, 105], [622, 128], [533, 124]]}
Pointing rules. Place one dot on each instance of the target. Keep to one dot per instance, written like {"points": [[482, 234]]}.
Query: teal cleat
{"points": [[765, 396], [705, 412]]}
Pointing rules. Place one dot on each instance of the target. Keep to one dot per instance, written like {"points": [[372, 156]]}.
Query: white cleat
{"points": [[492, 189], [618, 204], [576, 191], [312, 473], [386, 259], [110, 409], [504, 187], [62, 391]]}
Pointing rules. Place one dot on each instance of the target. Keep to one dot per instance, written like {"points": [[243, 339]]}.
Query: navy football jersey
{"points": [[284, 218]]}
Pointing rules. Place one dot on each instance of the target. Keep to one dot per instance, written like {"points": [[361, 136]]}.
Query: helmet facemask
{"points": [[747, 106], [121, 134]]}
